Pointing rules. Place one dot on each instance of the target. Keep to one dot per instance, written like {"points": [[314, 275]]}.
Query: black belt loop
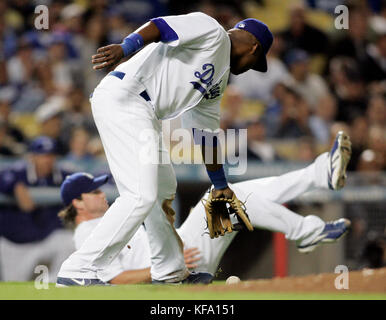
{"points": [[120, 75], [144, 95]]}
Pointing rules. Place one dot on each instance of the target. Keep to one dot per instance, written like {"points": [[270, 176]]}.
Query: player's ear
{"points": [[256, 48]]}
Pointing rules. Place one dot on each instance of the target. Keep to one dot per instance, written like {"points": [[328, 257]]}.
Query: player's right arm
{"points": [[132, 276], [195, 30], [191, 256], [113, 53]]}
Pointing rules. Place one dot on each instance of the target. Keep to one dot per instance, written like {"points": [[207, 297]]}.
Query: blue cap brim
{"points": [[99, 181]]}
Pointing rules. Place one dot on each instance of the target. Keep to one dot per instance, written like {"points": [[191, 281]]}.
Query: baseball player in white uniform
{"points": [[263, 199], [181, 68]]}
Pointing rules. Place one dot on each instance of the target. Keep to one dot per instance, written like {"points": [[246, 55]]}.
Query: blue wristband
{"points": [[132, 43], [218, 178]]}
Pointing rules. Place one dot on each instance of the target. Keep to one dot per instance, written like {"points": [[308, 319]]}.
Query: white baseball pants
{"points": [[263, 199], [130, 135]]}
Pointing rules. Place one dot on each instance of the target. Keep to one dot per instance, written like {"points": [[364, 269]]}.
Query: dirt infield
{"points": [[364, 281]]}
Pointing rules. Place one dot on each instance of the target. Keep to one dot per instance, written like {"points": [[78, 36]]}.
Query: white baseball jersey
{"points": [[190, 72], [138, 257]]}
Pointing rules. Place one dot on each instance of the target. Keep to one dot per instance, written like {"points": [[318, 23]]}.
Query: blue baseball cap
{"points": [[262, 33], [42, 145], [81, 182]]}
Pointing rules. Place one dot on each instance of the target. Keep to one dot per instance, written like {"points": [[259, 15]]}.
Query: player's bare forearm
{"points": [[110, 55], [132, 277]]}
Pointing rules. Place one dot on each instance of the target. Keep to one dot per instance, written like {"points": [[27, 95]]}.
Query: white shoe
{"points": [[338, 159], [332, 232]]}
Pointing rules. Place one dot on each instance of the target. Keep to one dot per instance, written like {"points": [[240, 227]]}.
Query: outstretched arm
{"points": [[113, 53], [191, 256], [132, 276]]}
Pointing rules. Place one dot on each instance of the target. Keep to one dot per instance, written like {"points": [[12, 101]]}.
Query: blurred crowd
{"points": [[319, 81]]}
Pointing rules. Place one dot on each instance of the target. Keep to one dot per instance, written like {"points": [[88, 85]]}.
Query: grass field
{"points": [[27, 291]]}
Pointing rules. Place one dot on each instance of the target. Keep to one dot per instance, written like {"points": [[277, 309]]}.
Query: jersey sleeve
{"points": [[194, 30]]}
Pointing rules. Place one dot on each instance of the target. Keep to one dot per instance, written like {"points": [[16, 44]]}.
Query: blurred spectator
{"points": [[14, 135], [95, 37], [374, 253], [377, 143], [376, 111], [26, 9], [320, 122], [271, 117], [311, 86], [5, 146], [21, 67], [351, 95], [258, 148], [257, 85], [378, 20], [31, 232], [374, 63], [118, 27], [353, 42], [359, 139], [78, 113], [8, 39], [232, 105], [306, 151], [301, 34], [294, 117], [49, 116], [62, 69], [79, 142]]}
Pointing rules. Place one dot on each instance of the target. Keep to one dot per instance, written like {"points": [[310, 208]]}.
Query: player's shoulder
{"points": [[205, 17]]}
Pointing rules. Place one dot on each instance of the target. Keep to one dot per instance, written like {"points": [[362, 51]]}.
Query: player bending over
{"points": [[263, 199], [181, 68]]}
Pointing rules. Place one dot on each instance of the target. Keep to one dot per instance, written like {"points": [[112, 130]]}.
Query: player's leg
{"points": [[327, 171], [308, 232], [266, 214], [167, 261], [288, 186], [121, 117]]}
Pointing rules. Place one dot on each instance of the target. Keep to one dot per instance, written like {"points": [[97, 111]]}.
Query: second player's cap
{"points": [[262, 33], [77, 183]]}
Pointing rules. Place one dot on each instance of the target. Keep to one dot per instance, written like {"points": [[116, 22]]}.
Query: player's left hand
{"points": [[191, 256], [107, 56], [218, 207]]}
